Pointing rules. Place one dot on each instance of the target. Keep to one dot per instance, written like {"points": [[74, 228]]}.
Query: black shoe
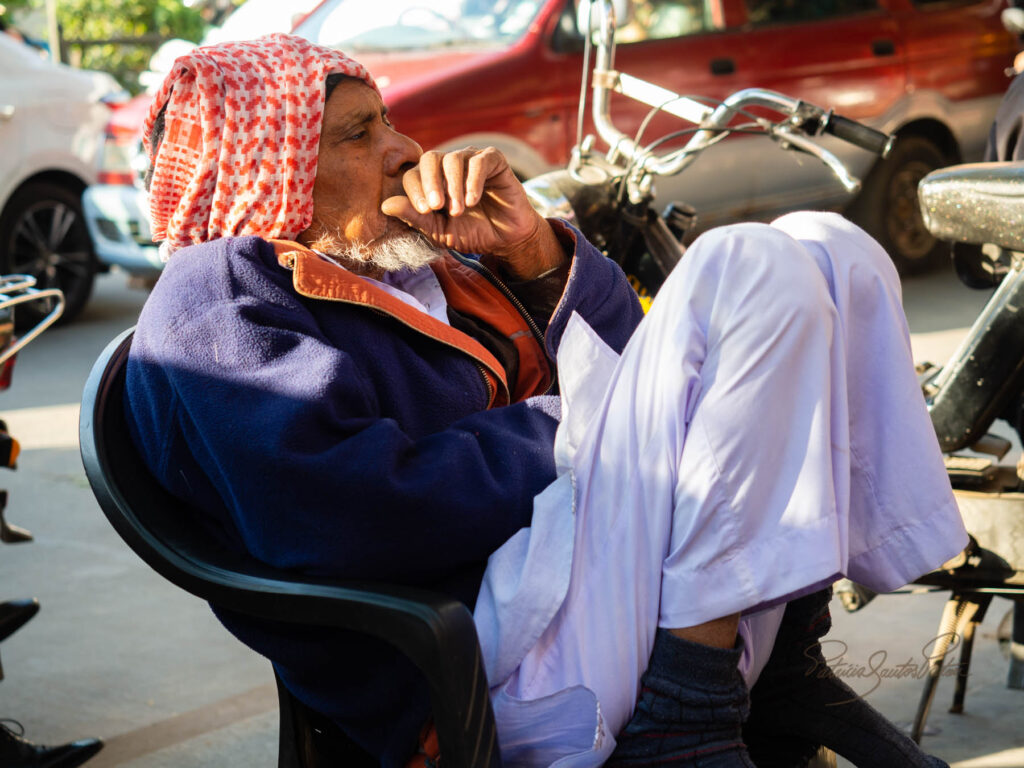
{"points": [[14, 614], [18, 752]]}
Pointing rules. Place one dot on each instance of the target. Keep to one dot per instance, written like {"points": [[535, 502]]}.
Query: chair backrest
{"points": [[435, 632]]}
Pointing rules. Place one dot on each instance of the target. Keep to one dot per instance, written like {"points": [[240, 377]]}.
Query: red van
{"points": [[507, 73]]}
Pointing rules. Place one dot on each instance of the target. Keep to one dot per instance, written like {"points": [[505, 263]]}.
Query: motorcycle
{"points": [[976, 208], [611, 197], [978, 205]]}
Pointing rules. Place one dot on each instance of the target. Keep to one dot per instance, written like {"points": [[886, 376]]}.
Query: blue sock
{"points": [[690, 712]]}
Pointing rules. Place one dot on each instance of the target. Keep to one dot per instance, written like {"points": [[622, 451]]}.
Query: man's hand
{"points": [[471, 201]]}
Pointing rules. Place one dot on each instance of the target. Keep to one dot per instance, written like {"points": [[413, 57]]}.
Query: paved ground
{"points": [[117, 653]]}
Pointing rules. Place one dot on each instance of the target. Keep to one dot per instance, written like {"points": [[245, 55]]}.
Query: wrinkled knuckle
{"points": [[453, 159]]}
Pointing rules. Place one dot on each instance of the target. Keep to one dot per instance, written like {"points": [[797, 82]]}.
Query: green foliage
{"points": [[149, 21]]}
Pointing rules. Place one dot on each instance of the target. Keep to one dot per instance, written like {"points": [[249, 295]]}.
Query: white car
{"points": [[51, 126]]}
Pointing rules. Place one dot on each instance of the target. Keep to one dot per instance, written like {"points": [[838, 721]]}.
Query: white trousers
{"points": [[761, 435]]}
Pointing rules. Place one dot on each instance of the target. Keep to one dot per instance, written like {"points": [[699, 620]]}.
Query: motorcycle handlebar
{"points": [[859, 134], [799, 117]]}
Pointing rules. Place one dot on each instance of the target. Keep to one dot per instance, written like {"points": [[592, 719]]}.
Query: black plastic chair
{"points": [[435, 632]]}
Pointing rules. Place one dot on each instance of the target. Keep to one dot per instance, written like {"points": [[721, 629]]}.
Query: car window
{"points": [[255, 18], [664, 19], [387, 25], [775, 11]]}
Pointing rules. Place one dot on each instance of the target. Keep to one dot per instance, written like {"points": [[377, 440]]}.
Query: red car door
{"points": [[845, 54], [958, 50], [685, 46]]}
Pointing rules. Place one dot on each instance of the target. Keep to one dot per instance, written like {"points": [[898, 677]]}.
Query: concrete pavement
{"points": [[116, 652]]}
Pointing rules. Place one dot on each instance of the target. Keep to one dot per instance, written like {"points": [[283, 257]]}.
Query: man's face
{"points": [[360, 164]]}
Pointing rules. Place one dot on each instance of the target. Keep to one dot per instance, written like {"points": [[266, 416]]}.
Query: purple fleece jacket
{"points": [[331, 439]]}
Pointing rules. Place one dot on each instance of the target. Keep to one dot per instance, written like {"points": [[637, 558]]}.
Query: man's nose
{"points": [[401, 154]]}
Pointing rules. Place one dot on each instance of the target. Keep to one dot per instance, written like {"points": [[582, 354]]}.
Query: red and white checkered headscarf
{"points": [[241, 134]]}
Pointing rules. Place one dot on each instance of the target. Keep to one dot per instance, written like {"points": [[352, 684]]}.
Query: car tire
{"points": [[887, 206], [43, 234]]}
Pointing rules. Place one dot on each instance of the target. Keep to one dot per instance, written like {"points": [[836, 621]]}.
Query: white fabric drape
{"points": [[761, 435]]}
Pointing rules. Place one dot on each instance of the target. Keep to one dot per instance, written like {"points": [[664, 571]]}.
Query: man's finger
{"points": [[414, 190], [431, 181], [481, 167], [454, 165], [402, 207]]}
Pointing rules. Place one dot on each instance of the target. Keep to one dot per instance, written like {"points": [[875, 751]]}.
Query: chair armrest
{"points": [[435, 632]]}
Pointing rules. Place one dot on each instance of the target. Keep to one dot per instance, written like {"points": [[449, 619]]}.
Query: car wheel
{"points": [[43, 234], [888, 210]]}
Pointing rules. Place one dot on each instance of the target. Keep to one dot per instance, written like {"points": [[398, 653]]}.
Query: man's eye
{"points": [[355, 136]]}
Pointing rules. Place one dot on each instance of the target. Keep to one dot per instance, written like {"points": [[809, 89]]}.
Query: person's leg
{"points": [[798, 704], [877, 411], [718, 633], [901, 517], [690, 711], [755, 467], [739, 335], [714, 475]]}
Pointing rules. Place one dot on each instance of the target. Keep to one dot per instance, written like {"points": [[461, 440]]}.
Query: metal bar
{"points": [[947, 631], [655, 96], [973, 616], [53, 31], [30, 295]]}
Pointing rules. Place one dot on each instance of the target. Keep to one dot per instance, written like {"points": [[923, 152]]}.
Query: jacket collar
{"points": [[316, 277]]}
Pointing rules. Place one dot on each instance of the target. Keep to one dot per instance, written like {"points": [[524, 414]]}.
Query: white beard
{"points": [[408, 250]]}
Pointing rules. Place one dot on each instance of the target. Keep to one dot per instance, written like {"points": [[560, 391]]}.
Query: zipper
{"points": [[515, 302], [487, 382]]}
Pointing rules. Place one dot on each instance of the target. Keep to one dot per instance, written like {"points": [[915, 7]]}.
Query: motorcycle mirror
{"points": [[1013, 20], [602, 16]]}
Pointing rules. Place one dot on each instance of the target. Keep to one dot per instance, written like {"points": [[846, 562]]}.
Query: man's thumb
{"points": [[401, 207]]}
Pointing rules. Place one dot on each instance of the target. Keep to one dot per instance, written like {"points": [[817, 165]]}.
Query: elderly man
{"points": [[348, 368]]}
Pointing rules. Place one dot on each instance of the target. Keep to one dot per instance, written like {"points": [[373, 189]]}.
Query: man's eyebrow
{"points": [[354, 120]]}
